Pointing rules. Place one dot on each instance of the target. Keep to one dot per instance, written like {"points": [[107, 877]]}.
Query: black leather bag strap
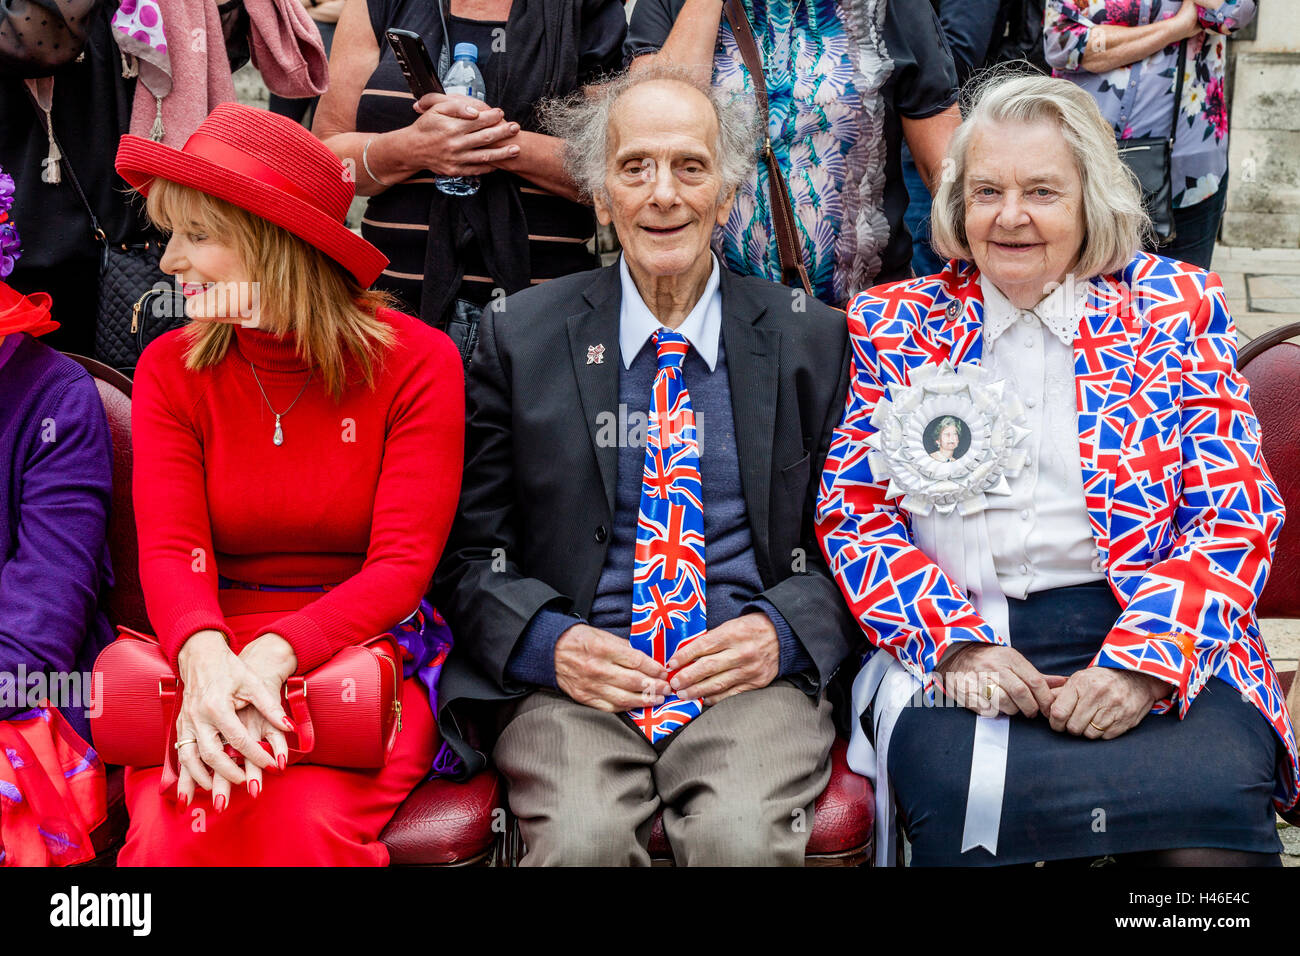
{"points": [[783, 221], [96, 230], [1178, 92]]}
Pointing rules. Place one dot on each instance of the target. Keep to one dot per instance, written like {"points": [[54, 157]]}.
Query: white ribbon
{"points": [[960, 547], [887, 683]]}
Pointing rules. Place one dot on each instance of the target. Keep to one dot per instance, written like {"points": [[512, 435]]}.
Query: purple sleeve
{"points": [[49, 586]]}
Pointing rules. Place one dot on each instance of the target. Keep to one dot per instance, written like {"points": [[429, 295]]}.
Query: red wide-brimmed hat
{"points": [[270, 166]]}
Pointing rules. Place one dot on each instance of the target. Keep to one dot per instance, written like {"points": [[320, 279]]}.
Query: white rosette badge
{"points": [[948, 440]]}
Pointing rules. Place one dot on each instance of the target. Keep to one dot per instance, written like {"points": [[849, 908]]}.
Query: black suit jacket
{"points": [[537, 500]]}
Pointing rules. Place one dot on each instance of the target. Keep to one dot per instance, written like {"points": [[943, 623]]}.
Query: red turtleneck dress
{"points": [[360, 495]]}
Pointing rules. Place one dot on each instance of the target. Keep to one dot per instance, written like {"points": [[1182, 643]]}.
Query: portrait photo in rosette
{"points": [[947, 440]]}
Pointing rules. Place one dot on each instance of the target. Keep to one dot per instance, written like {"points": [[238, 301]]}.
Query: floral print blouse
{"points": [[1138, 99], [820, 106]]}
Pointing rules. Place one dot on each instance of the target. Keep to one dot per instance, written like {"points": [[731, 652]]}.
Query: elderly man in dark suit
{"points": [[634, 565]]}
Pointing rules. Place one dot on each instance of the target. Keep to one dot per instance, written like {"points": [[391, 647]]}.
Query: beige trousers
{"points": [[736, 785]]}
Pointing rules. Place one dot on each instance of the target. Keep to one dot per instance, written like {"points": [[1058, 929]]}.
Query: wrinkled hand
{"points": [[1107, 698], [743, 654], [599, 670], [271, 658], [460, 136], [968, 672], [218, 685]]}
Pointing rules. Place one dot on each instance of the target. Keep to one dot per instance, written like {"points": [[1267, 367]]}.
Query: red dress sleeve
{"points": [[178, 570]]}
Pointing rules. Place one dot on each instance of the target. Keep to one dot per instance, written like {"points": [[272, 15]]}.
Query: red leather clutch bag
{"points": [[347, 711]]}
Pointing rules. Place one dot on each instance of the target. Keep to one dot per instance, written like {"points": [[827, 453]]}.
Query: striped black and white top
{"points": [[560, 231]]}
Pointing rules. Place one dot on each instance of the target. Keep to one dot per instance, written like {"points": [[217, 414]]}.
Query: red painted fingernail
{"points": [[219, 802], [184, 798], [282, 761], [290, 726], [254, 788]]}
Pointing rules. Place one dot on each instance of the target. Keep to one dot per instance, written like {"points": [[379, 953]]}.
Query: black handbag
{"points": [[125, 326], [1149, 158], [130, 277]]}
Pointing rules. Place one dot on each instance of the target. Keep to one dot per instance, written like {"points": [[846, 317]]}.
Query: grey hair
{"points": [[1114, 221], [582, 121], [948, 421]]}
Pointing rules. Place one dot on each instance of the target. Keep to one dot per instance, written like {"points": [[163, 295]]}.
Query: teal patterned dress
{"points": [[826, 65]]}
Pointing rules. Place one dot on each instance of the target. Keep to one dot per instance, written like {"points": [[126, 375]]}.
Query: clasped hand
{"points": [[602, 671], [460, 136], [231, 699], [1095, 702]]}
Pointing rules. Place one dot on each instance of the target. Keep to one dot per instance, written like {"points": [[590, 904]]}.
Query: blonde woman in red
{"points": [[297, 463]]}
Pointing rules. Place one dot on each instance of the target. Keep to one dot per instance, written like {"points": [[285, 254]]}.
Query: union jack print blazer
{"points": [[1183, 510]]}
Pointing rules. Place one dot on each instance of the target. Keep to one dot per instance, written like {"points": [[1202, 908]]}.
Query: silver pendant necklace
{"points": [[278, 437]]}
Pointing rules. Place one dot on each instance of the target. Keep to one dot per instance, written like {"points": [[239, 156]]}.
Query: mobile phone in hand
{"points": [[413, 57]]}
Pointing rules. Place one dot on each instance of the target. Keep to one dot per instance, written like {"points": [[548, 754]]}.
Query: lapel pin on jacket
{"points": [[596, 354]]}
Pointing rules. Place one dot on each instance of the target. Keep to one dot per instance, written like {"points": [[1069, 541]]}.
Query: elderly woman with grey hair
{"points": [[1080, 585], [648, 616]]}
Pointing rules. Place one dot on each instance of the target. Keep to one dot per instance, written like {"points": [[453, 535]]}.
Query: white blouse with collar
{"points": [[1040, 535]]}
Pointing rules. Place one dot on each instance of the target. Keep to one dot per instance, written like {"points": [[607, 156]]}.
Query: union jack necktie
{"points": [[668, 573]]}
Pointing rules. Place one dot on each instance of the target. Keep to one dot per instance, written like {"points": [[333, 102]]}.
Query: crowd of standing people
{"points": [[909, 381]]}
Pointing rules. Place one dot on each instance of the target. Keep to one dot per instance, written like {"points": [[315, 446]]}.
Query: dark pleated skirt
{"points": [[1205, 781]]}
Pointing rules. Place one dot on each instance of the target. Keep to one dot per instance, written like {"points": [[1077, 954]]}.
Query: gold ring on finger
{"points": [[1096, 728], [188, 740], [988, 691]]}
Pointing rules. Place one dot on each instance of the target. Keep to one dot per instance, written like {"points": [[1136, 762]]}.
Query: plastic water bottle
{"points": [[463, 77]]}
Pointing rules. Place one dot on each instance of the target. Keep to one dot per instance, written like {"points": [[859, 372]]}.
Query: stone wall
{"points": [[1263, 207]]}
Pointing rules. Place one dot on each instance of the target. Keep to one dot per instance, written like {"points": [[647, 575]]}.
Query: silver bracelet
{"points": [[366, 163]]}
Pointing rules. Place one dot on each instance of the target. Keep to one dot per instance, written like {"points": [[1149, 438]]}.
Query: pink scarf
{"points": [[170, 39], [182, 38], [287, 48], [161, 40]]}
